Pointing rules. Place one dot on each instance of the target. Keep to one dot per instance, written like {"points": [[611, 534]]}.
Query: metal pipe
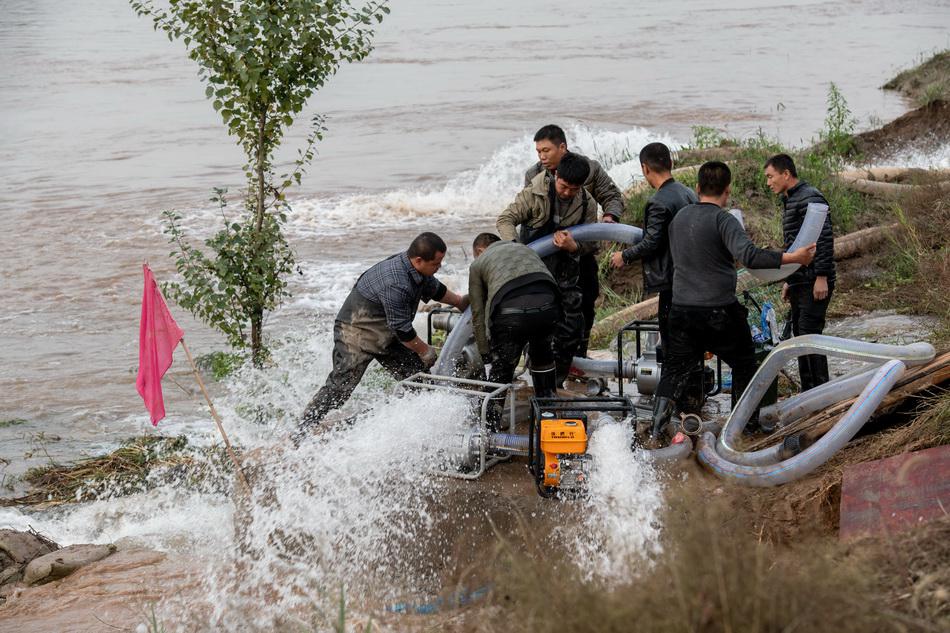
{"points": [[814, 456], [597, 367], [450, 361]]}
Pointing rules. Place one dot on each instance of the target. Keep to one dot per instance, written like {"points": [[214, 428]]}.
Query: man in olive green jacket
{"points": [[550, 143], [548, 207], [514, 301]]}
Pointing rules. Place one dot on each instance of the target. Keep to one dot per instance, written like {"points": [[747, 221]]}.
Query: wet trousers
{"points": [[509, 335], [590, 289]]}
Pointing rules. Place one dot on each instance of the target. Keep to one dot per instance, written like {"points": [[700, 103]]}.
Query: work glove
{"points": [[429, 357]]}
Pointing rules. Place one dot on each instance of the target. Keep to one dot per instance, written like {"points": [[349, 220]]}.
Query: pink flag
{"points": [[158, 336]]}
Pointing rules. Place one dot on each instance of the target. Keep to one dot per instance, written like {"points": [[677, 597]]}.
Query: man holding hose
{"points": [[809, 288], [705, 242]]}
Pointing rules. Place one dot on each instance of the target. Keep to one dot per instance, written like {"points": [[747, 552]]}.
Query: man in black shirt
{"points": [[705, 241], [809, 288], [654, 249]]}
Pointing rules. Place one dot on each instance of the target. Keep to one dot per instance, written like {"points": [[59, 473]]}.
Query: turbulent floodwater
{"points": [[104, 124]]}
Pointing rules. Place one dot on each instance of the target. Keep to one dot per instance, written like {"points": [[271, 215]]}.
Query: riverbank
{"points": [[726, 559]]}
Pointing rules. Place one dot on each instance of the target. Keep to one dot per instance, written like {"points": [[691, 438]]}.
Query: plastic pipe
{"points": [[913, 354], [450, 360], [815, 399], [815, 216], [669, 454], [821, 451]]}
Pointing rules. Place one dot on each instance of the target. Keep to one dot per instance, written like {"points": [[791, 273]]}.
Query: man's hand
{"points": [[820, 291], [429, 356], [785, 293], [565, 241], [803, 255], [616, 260], [609, 219]]}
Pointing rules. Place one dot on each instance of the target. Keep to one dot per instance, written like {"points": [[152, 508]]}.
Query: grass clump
{"points": [[714, 575], [926, 82], [220, 365], [138, 465], [5, 424]]}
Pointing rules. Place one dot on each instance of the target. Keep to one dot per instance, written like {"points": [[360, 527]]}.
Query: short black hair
{"points": [[551, 133], [484, 240], [780, 163], [714, 177], [426, 245], [573, 169], [657, 156]]}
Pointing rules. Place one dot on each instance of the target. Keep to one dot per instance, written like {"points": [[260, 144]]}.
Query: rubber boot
{"points": [[662, 411], [545, 382], [494, 413]]}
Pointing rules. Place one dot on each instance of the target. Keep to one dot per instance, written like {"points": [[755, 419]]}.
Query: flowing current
{"points": [[104, 125]]}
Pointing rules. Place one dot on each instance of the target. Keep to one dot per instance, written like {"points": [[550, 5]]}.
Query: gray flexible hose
{"points": [[814, 456], [599, 367], [816, 398], [668, 454], [914, 354], [815, 215], [450, 360]]}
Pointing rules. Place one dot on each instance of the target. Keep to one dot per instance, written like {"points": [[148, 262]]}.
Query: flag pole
{"points": [[217, 420]]}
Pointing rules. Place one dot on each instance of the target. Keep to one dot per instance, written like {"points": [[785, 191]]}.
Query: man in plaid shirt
{"points": [[375, 322]]}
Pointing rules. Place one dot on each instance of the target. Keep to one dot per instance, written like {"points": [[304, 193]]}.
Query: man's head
{"points": [[551, 145], [780, 173], [483, 241], [426, 253], [656, 163], [571, 174], [714, 182]]}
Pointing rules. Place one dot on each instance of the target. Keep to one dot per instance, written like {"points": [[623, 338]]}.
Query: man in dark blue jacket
{"points": [[654, 249], [808, 289]]}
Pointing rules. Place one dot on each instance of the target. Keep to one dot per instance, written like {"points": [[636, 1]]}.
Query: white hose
{"points": [[815, 399], [814, 456], [811, 228], [451, 362]]}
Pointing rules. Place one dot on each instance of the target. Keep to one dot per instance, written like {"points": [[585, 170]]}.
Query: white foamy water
{"points": [[620, 524], [936, 158]]}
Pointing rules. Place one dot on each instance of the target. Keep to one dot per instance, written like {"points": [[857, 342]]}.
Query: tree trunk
{"points": [[257, 346], [262, 120]]}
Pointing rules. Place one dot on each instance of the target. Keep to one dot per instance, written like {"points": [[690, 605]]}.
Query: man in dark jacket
{"points": [[514, 301], [808, 289], [654, 249], [705, 242], [375, 322], [550, 142], [545, 208]]}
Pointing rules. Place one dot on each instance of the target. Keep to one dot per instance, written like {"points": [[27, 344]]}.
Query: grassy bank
{"points": [[926, 82], [909, 274]]}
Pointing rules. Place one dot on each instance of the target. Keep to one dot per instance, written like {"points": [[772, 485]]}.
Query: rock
{"points": [[21, 547], [63, 562]]}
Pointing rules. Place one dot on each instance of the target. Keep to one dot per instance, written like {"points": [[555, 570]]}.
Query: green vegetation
{"points": [[260, 61], [925, 83], [4, 424], [136, 466], [761, 209], [220, 364]]}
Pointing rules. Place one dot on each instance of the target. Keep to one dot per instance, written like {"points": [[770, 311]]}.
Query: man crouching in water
{"points": [[515, 302], [375, 322]]}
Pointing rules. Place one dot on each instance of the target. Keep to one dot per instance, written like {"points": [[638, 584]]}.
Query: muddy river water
{"points": [[104, 124]]}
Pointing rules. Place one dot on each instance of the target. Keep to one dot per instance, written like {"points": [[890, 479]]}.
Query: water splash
{"points": [[620, 519]]}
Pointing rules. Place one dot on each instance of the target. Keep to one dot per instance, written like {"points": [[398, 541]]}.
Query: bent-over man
{"points": [[550, 143], [375, 322], [514, 301], [547, 207]]}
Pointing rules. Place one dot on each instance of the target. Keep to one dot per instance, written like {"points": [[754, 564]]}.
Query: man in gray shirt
{"points": [[705, 242]]}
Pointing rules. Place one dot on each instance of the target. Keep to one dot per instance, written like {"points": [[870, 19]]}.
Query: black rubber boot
{"points": [[545, 382], [662, 411]]}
